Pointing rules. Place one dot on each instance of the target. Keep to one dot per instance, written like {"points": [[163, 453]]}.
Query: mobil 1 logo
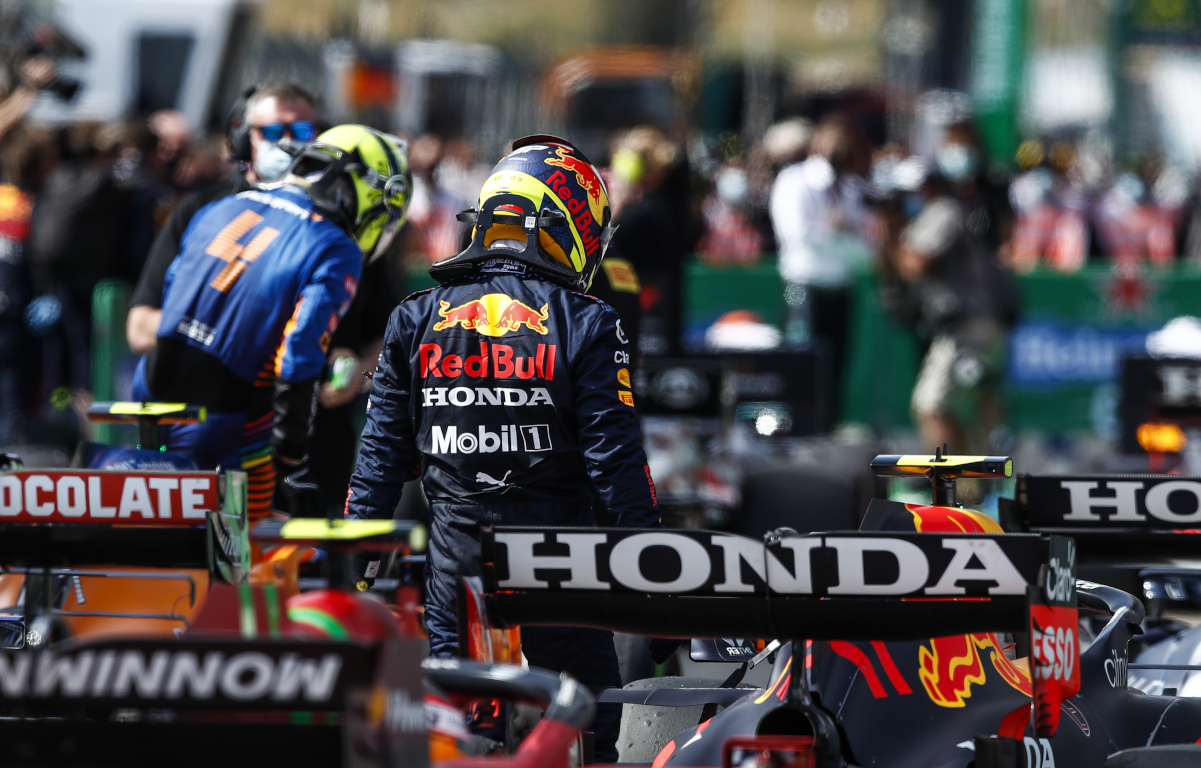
{"points": [[507, 438]]}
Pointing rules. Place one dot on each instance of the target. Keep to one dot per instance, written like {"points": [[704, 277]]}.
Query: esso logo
{"points": [[1054, 653]]}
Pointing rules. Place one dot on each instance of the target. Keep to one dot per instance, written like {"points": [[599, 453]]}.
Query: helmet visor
{"points": [[386, 235]]}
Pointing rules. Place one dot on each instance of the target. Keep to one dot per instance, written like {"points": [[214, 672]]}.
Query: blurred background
{"points": [[849, 226]]}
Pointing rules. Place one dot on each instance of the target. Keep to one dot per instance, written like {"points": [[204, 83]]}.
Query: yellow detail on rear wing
{"points": [[949, 466], [163, 413]]}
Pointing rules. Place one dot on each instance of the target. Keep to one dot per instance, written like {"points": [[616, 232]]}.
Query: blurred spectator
{"points": [[655, 230], [26, 159], [282, 104], [987, 212], [76, 241], [961, 301], [36, 72], [1051, 226], [729, 237], [1138, 217], [821, 229], [433, 233]]}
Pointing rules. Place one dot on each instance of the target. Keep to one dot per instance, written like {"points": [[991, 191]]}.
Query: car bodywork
{"points": [[862, 675]]}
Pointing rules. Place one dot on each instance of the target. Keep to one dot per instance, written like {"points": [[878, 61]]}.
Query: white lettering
{"points": [[912, 568], [235, 682], [104, 669], [488, 394], [135, 497], [467, 443], [191, 503], [14, 673], [1157, 501], [624, 562], [97, 509], [518, 395], [1082, 502], [489, 441], [70, 671], [72, 496], [737, 550], [10, 496], [445, 441], [315, 678], [466, 396], [187, 671], [580, 560], [434, 396], [33, 484], [134, 672], [163, 486], [996, 568]]}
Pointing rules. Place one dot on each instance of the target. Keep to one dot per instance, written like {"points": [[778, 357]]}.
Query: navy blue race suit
{"points": [[510, 396]]}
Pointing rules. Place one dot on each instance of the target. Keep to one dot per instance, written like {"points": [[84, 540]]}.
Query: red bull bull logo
{"points": [[585, 174], [492, 315], [949, 666]]}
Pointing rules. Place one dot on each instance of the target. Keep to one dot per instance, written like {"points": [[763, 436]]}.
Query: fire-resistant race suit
{"points": [[252, 301], [510, 397], [249, 306]]}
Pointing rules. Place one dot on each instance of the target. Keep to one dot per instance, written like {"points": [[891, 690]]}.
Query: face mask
{"points": [[272, 162], [956, 162], [732, 186]]}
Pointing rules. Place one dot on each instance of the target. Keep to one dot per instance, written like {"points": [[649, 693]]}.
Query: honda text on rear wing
{"points": [[1122, 523], [836, 587]]}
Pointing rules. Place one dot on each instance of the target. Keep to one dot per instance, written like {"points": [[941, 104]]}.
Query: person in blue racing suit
{"points": [[254, 297], [507, 390]]}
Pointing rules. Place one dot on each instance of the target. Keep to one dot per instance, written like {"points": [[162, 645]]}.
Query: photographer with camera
{"points": [[35, 74]]}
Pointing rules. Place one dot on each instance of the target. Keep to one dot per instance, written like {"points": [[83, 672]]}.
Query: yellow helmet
{"points": [[543, 205], [359, 177]]}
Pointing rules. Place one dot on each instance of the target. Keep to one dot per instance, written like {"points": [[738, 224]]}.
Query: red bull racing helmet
{"points": [[359, 177], [543, 205]]}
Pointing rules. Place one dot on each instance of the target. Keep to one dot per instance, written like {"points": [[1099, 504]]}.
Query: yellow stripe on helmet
{"points": [[517, 183]]}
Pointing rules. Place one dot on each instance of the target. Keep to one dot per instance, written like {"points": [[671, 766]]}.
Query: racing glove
{"points": [[295, 406]]}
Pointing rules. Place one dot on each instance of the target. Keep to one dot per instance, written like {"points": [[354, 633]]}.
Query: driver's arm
{"points": [[141, 328], [301, 359]]}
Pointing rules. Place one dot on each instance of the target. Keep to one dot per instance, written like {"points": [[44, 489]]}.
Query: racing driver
{"points": [[251, 302], [507, 390]]}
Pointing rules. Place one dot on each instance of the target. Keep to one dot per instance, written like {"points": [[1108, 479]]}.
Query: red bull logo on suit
{"points": [[492, 315]]}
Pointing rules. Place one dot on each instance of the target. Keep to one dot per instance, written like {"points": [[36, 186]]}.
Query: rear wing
{"points": [[1118, 520], [177, 519], [272, 702], [689, 583], [824, 586]]}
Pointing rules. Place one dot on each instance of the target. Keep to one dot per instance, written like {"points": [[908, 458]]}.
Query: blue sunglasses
{"points": [[300, 131]]}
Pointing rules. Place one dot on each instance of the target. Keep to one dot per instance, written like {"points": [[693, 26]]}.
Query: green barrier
{"points": [[110, 352], [711, 291]]}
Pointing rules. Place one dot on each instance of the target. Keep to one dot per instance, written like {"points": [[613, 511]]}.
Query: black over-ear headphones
{"points": [[239, 127]]}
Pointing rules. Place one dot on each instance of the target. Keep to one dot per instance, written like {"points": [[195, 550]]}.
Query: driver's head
{"points": [[274, 112]]}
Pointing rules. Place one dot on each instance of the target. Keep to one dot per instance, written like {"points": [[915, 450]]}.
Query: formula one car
{"points": [[88, 552], [1138, 532], [324, 678], [890, 652]]}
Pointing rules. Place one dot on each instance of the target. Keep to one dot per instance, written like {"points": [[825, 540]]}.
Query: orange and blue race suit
{"points": [[249, 307]]}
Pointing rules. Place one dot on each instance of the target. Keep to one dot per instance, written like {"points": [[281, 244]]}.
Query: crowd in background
{"points": [[81, 203]]}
